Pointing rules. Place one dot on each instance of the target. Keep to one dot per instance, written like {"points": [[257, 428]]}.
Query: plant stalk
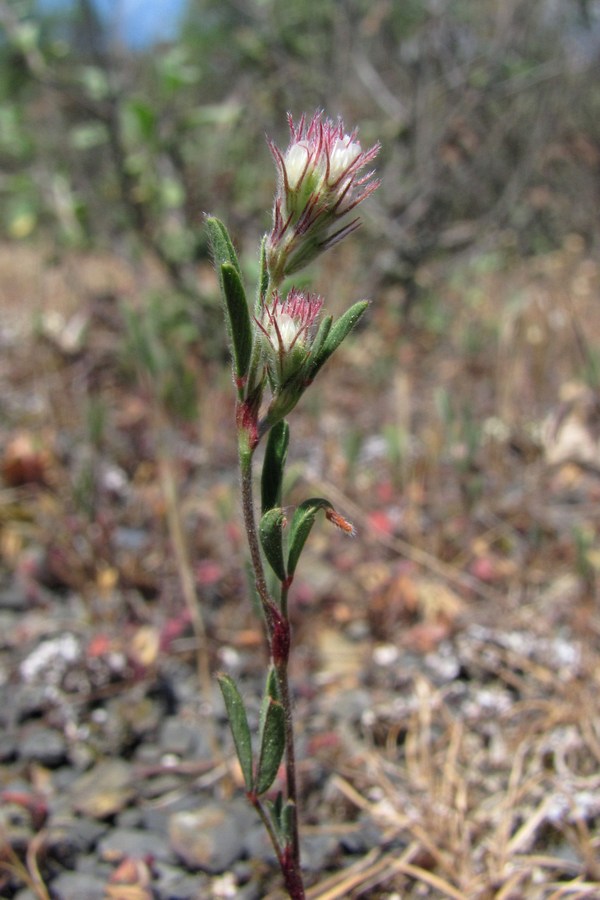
{"points": [[288, 856]]}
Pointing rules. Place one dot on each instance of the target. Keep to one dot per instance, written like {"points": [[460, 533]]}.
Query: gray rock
{"points": [[121, 842], [156, 817], [8, 622], [317, 851], [43, 745], [160, 785], [257, 845], [26, 700], [129, 818], [13, 598], [104, 790], [188, 740], [176, 737], [70, 838], [8, 747], [170, 883], [78, 886], [366, 836], [210, 838]]}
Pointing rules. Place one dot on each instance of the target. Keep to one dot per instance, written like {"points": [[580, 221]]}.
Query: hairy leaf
{"points": [[302, 522], [238, 722], [240, 328], [335, 335], [273, 465], [271, 538], [272, 746]]}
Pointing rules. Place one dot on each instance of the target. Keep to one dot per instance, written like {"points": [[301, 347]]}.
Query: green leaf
{"points": [[274, 808], [273, 465], [281, 816], [286, 822], [239, 318], [238, 722], [334, 337], [222, 248], [263, 277], [271, 693], [320, 337], [302, 522], [271, 538], [272, 745], [230, 276]]}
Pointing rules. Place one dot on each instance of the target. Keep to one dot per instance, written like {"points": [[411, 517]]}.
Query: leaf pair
{"points": [[271, 535], [271, 738]]}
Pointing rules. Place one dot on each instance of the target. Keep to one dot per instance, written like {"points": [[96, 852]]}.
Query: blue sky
{"points": [[138, 23]]}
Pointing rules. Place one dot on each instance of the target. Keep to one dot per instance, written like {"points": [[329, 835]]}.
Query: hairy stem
{"points": [[289, 856], [290, 757], [253, 541]]}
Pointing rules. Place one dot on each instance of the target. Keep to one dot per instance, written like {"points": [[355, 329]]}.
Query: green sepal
{"points": [[273, 465], [302, 522], [240, 330], [222, 249], [335, 336], [272, 745], [271, 538], [238, 722]]}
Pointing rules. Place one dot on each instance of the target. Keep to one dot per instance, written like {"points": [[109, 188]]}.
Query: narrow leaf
{"points": [[238, 722], [230, 277], [271, 538], [271, 693], [336, 335], [222, 248], [239, 318], [272, 746], [302, 522], [274, 464], [286, 822], [320, 337], [275, 811], [263, 277]]}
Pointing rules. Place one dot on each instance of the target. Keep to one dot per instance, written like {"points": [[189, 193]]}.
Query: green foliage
{"points": [[271, 735], [238, 721], [281, 818], [302, 523], [272, 746], [271, 537], [331, 336], [237, 315], [274, 465], [156, 343]]}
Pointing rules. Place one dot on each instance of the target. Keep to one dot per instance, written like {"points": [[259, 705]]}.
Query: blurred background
{"points": [[459, 428], [122, 121]]}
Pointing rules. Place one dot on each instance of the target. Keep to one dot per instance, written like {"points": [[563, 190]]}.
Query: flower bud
{"points": [[319, 182], [286, 328]]}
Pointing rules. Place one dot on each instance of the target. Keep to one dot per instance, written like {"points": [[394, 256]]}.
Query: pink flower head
{"points": [[319, 182], [286, 326]]}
